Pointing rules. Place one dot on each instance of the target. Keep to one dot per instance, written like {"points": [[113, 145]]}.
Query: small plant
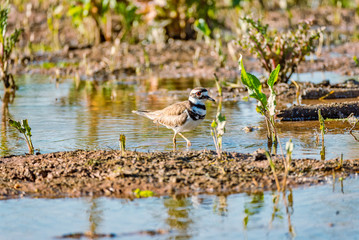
{"points": [[218, 85], [353, 121], [322, 130], [265, 106], [289, 148], [7, 44], [356, 61], [122, 143], [202, 29], [143, 193], [217, 131], [272, 166], [24, 128], [274, 48]]}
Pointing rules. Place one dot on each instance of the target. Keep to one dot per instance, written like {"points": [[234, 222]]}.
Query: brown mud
{"points": [[109, 173]]}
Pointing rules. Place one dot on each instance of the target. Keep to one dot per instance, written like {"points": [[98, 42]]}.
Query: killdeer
{"points": [[182, 116]]}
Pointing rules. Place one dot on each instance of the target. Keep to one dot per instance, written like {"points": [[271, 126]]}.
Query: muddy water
{"points": [[66, 115], [318, 212]]}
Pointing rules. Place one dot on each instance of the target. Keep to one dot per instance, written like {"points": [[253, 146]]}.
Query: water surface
{"points": [[69, 115], [318, 212]]}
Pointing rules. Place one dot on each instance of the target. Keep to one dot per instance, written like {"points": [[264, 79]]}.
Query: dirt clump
{"points": [[328, 111], [109, 173]]}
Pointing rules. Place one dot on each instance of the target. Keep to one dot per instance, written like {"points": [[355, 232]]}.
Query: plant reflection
{"points": [[179, 215], [253, 207], [287, 200], [7, 99], [220, 205]]}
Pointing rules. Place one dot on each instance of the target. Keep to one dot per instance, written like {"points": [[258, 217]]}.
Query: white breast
{"points": [[189, 125]]}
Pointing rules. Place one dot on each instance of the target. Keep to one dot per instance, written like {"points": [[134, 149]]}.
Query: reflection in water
{"points": [[288, 202], [220, 205], [179, 215], [7, 98], [95, 213], [313, 212], [253, 207]]}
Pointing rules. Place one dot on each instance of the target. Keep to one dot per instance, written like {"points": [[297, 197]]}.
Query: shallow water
{"points": [[68, 115], [318, 212]]}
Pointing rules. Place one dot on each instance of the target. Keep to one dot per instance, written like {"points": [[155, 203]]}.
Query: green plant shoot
{"points": [[24, 128], [217, 131], [265, 106], [218, 85], [143, 194], [7, 44], [201, 27], [122, 143], [322, 130]]}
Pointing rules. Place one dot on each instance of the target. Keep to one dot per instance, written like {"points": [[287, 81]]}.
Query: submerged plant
{"points": [[7, 44], [274, 48], [24, 128]]}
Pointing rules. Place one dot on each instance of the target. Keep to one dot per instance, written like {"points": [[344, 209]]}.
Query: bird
{"points": [[181, 116]]}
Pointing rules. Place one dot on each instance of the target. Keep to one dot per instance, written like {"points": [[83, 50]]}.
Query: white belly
{"points": [[189, 125]]}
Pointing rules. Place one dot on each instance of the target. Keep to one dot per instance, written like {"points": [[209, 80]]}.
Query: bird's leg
{"points": [[188, 141], [174, 142]]}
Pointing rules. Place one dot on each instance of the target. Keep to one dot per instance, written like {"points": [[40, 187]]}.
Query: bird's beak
{"points": [[211, 99]]}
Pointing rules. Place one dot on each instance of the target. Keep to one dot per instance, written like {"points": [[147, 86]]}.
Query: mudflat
{"points": [[112, 173]]}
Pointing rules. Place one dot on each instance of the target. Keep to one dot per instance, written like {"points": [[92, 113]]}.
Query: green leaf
{"points": [[214, 124], [253, 85], [26, 126], [201, 26], [221, 118], [143, 194], [273, 77]]}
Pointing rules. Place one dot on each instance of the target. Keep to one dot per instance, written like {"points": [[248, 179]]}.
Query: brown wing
{"points": [[173, 115]]}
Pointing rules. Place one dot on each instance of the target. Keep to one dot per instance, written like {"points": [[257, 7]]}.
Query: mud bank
{"points": [[108, 173], [310, 112]]}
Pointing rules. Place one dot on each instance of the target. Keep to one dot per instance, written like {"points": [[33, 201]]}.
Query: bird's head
{"points": [[200, 94]]}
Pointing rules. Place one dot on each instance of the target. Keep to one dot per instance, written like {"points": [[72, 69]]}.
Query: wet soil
{"points": [[328, 111], [110, 173]]}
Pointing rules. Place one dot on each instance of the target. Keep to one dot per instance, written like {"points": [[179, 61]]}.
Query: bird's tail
{"points": [[144, 113]]}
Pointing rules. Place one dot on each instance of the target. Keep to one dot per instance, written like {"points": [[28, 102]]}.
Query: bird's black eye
{"points": [[198, 94]]}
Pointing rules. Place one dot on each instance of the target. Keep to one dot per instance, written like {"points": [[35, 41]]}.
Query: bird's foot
{"points": [[189, 144]]}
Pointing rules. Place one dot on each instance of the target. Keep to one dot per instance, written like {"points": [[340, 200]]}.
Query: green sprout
{"points": [[201, 27], [7, 44], [265, 106], [272, 166], [122, 143], [24, 128], [218, 85], [217, 131], [356, 61], [322, 130], [143, 193]]}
